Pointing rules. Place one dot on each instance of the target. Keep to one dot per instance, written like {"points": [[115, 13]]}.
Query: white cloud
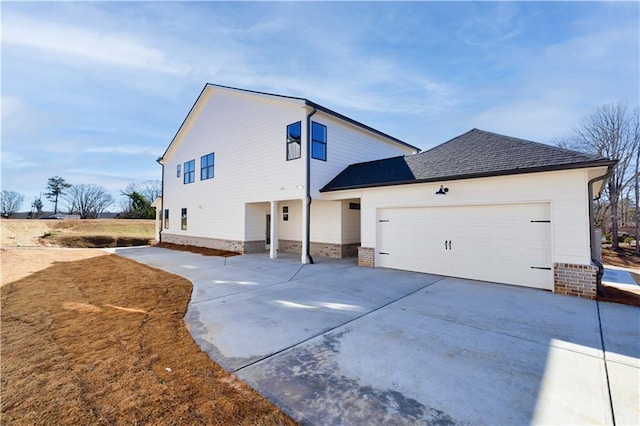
{"points": [[122, 149], [490, 24], [86, 43], [12, 160]]}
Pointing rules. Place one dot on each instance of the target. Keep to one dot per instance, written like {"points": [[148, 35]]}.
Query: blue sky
{"points": [[95, 91]]}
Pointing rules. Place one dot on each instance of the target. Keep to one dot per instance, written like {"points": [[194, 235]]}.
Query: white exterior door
{"points": [[508, 244]]}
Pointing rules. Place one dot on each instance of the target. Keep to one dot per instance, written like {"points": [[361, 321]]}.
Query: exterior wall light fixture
{"points": [[442, 190]]}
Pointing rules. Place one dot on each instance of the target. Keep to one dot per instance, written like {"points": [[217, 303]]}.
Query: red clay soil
{"points": [[102, 341], [201, 250], [617, 295]]}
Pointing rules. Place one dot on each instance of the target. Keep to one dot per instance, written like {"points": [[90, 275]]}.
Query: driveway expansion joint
{"points": [[236, 292], [296, 273], [606, 369], [322, 333], [514, 336]]}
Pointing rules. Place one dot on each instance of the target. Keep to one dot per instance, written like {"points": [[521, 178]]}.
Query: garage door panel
{"points": [[494, 243]]}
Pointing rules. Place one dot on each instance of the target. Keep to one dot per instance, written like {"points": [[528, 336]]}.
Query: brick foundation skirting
{"points": [[238, 246], [575, 280], [290, 246], [336, 251], [366, 256]]}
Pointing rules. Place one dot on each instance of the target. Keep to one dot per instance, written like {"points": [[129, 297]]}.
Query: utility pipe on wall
{"points": [[308, 188], [161, 162]]}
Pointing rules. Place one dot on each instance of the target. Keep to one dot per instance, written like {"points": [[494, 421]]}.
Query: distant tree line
{"points": [[87, 200]]}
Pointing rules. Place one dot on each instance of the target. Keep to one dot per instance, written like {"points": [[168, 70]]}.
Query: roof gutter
{"points": [[308, 186], [592, 231], [517, 171], [161, 162]]}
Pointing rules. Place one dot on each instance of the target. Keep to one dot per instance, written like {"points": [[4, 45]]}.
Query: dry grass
{"points": [[625, 257], [115, 227], [102, 341], [86, 233], [95, 233]]}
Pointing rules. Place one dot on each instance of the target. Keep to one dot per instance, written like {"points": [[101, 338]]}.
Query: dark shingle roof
{"points": [[476, 153]]}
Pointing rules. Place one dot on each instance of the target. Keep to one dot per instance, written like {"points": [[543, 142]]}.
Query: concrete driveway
{"points": [[334, 343]]}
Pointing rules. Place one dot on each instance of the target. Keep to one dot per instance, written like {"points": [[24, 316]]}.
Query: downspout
{"points": [[592, 232], [308, 186], [159, 161]]}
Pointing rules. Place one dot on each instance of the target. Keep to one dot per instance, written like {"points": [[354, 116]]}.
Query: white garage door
{"points": [[508, 244]]}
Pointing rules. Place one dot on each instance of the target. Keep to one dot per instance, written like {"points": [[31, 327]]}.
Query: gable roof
{"points": [[284, 97], [477, 153]]}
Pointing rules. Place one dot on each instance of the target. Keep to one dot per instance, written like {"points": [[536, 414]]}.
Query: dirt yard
{"points": [[90, 338]]}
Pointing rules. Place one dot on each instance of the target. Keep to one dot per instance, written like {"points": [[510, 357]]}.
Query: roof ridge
{"points": [[446, 142], [222, 86], [540, 144]]}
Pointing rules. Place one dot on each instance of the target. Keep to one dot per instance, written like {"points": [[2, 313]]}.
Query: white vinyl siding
{"points": [[347, 144], [222, 122]]}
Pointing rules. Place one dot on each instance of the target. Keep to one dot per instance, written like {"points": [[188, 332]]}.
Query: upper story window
{"points": [[293, 140], [189, 172], [318, 141], [178, 170], [206, 166]]}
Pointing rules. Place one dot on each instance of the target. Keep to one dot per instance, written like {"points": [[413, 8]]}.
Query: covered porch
{"points": [[281, 226]]}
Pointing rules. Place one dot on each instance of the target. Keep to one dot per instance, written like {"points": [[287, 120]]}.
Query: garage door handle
{"points": [[380, 252], [541, 267], [447, 246]]}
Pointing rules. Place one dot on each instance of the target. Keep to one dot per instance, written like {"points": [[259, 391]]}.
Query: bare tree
{"points": [[612, 131], [88, 201], [56, 187], [10, 202]]}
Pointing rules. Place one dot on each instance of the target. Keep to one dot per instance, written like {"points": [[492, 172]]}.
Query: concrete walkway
{"points": [[333, 343]]}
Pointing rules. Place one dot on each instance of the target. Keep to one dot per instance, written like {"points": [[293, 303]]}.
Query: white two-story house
{"points": [[254, 172], [244, 171]]}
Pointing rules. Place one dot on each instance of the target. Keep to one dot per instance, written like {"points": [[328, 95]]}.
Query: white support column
{"points": [[273, 248], [305, 214]]}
